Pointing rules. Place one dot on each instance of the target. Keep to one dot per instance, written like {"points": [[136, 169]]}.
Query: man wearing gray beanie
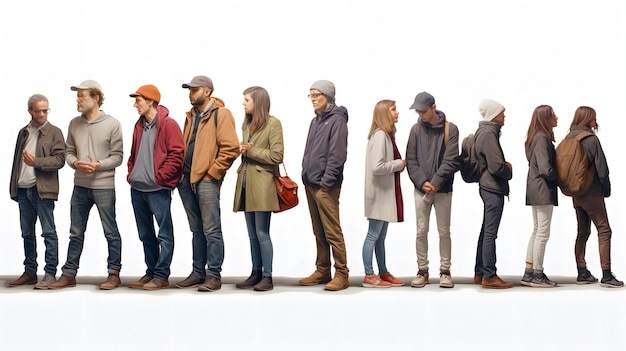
{"points": [[322, 175], [493, 186]]}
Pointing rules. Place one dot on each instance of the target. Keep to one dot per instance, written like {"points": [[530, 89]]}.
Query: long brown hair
{"points": [[541, 121], [583, 117], [261, 113], [382, 119]]}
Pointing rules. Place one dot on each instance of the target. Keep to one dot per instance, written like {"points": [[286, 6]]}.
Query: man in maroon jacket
{"points": [[154, 169]]}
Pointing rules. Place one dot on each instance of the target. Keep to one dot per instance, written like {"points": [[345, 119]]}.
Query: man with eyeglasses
{"points": [[431, 161], [39, 154], [211, 147], [94, 150], [322, 174]]}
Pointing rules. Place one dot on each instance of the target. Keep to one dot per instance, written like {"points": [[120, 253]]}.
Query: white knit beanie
{"points": [[489, 109]]}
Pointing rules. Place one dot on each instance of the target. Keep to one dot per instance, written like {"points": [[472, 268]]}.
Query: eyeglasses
{"points": [[40, 111], [314, 96]]}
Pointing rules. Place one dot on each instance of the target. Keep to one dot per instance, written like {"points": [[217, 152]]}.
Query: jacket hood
{"points": [[102, 117], [440, 123], [336, 110], [162, 111]]}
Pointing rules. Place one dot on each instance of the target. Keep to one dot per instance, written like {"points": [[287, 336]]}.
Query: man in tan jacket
{"points": [[211, 147]]}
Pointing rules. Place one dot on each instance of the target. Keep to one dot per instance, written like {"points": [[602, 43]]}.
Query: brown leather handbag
{"points": [[287, 191]]}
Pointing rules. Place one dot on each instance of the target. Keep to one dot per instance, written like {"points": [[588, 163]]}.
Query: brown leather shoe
{"points": [[113, 281], [156, 284], [63, 282], [478, 279], [314, 279], [190, 282], [265, 284], [210, 284], [27, 278], [496, 283], [339, 282], [140, 283]]}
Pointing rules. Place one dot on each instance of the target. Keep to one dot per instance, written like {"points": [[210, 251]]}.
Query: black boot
{"points": [[584, 276], [609, 280], [254, 278], [265, 284]]}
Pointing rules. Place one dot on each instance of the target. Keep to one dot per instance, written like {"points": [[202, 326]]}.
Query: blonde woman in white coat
{"points": [[383, 197]]}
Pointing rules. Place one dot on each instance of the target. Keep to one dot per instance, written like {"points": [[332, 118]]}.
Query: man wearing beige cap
{"points": [[211, 147], [94, 149], [154, 169]]}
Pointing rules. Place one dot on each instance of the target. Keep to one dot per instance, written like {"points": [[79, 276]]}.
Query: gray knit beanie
{"points": [[325, 87], [489, 109]]}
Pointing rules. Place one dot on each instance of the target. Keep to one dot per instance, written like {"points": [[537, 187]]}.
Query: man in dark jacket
{"points": [[322, 174], [432, 159], [494, 186], [39, 154], [154, 169]]}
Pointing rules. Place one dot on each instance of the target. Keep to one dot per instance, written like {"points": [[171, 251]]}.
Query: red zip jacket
{"points": [[168, 149]]}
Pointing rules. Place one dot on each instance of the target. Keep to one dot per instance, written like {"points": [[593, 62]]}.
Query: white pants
{"points": [[542, 216]]}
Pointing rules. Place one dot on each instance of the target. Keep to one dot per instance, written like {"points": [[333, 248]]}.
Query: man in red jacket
{"points": [[154, 169]]}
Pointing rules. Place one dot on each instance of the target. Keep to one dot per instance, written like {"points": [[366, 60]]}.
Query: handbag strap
{"points": [[285, 168]]}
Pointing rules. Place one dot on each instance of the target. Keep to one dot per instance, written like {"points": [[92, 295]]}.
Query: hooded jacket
{"points": [[491, 158], [49, 158], [601, 184], [168, 149], [326, 149], [102, 140], [426, 157], [541, 186], [215, 149]]}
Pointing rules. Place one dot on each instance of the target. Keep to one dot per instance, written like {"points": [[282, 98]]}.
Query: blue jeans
{"points": [[203, 212], [375, 242], [260, 242], [31, 207], [81, 203], [157, 249], [486, 249]]}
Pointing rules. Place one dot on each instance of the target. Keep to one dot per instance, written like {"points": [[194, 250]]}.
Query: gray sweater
{"points": [[102, 140], [426, 157]]}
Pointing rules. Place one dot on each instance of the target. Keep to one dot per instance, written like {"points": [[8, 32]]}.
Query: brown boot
{"points": [[339, 282], [314, 279], [495, 283], [27, 278], [141, 282], [63, 282], [113, 281]]}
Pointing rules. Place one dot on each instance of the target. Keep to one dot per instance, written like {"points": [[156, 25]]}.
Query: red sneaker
{"points": [[388, 277], [373, 281]]}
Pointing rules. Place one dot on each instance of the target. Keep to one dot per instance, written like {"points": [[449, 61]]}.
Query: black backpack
{"points": [[469, 166]]}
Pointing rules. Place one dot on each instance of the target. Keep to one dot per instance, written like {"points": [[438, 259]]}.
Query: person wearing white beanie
{"points": [[490, 109], [493, 187]]}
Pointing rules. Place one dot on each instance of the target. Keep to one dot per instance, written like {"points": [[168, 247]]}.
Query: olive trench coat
{"points": [[259, 166]]}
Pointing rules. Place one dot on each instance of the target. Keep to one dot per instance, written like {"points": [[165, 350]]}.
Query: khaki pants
{"points": [[442, 202], [324, 210]]}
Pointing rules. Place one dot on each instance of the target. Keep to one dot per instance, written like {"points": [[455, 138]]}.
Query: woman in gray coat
{"points": [[541, 192], [383, 197], [261, 152]]}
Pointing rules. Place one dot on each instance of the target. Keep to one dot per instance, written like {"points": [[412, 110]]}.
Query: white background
{"points": [[522, 54]]}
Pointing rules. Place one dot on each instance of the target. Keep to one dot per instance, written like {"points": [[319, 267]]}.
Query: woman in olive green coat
{"points": [[255, 194]]}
